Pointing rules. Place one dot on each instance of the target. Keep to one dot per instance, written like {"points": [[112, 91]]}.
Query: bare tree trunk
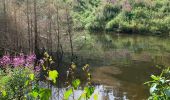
{"points": [[32, 35], [49, 40], [69, 32], [58, 37], [36, 46], [59, 46], [28, 27], [5, 15], [5, 24], [20, 42], [15, 35], [50, 35]]}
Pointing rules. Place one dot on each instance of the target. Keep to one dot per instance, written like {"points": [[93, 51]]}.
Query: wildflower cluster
{"points": [[5, 60], [17, 61]]}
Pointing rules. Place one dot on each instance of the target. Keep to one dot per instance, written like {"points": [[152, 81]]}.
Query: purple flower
{"points": [[41, 61], [5, 60], [30, 60], [37, 68], [18, 61]]}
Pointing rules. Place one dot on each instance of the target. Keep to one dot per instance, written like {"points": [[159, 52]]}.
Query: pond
{"points": [[122, 62]]}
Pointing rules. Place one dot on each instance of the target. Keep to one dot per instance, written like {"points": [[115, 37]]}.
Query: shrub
{"points": [[159, 86]]}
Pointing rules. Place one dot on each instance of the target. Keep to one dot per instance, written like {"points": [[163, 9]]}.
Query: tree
{"points": [[36, 46]]}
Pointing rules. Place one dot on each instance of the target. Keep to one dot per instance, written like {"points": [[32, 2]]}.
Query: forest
{"points": [[84, 49]]}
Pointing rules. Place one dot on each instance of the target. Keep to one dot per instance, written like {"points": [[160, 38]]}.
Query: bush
{"points": [[159, 86], [13, 83]]}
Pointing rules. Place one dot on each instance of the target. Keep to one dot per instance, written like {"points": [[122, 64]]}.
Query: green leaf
{"points": [[4, 93], [67, 94], [34, 94], [162, 81], [76, 83], [53, 75], [45, 94], [31, 76], [153, 88], [82, 97], [154, 77], [96, 97], [89, 91], [27, 83]]}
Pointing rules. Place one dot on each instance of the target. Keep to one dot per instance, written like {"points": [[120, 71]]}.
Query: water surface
{"points": [[123, 62]]}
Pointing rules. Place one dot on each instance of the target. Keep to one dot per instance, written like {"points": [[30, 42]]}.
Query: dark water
{"points": [[123, 62]]}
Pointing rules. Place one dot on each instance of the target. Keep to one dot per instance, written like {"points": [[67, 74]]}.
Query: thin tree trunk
{"points": [[5, 24], [36, 46], [51, 48], [49, 40], [28, 27], [32, 35], [16, 31], [58, 37], [69, 32]]}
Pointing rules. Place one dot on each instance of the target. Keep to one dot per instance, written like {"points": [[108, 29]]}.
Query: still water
{"points": [[122, 63]]}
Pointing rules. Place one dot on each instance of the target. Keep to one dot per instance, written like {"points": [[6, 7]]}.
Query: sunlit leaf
{"points": [[85, 67], [46, 54], [153, 88], [53, 75], [67, 94], [73, 65], [34, 94], [82, 97], [96, 97], [154, 77], [76, 83], [4, 93], [31, 76]]}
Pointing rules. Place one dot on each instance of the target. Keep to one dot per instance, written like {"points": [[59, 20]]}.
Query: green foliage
{"points": [[13, 83], [131, 16], [45, 94], [159, 86], [83, 12], [76, 83], [96, 97], [31, 76], [53, 75], [68, 93], [89, 91]]}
